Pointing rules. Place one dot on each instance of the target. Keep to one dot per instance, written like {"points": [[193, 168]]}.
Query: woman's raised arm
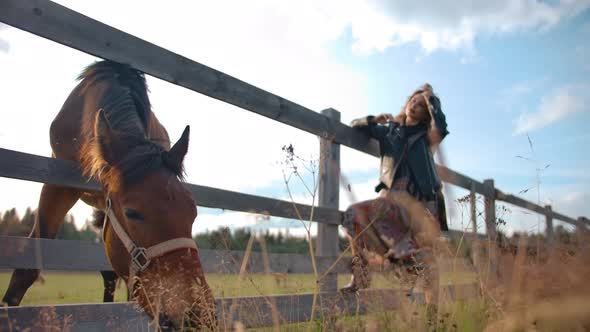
{"points": [[438, 123], [373, 125]]}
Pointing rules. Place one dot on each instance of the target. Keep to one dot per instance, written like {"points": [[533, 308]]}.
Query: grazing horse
{"points": [[106, 124]]}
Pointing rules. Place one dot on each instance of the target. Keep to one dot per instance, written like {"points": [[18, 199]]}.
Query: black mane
{"points": [[131, 82], [127, 108]]}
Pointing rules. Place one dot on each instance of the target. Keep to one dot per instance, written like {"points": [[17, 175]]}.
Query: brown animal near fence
{"points": [[106, 125]]}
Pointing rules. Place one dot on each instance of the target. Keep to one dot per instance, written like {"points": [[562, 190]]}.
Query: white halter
{"points": [[140, 256]]}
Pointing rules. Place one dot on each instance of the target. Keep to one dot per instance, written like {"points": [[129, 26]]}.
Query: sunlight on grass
{"points": [[86, 287]]}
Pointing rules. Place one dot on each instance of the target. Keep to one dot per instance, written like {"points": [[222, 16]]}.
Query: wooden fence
{"points": [[62, 25]]}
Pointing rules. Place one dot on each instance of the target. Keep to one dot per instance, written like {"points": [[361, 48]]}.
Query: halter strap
{"points": [[141, 257]]}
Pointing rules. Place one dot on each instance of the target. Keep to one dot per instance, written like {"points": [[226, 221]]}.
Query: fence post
{"points": [[490, 208], [473, 218], [581, 230], [327, 240], [490, 219], [549, 225]]}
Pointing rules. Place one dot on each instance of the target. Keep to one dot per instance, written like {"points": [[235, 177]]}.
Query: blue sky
{"points": [[503, 70]]}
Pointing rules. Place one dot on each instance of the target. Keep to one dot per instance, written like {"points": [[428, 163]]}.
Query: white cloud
{"points": [[4, 46], [575, 197], [512, 98], [558, 105], [375, 25], [451, 25]]}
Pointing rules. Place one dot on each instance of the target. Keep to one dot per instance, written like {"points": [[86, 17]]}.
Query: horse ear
{"points": [[179, 150], [111, 149]]}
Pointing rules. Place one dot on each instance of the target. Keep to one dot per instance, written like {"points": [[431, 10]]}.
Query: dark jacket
{"points": [[394, 138]]}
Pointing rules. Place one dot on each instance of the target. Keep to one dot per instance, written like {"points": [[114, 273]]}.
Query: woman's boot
{"points": [[360, 275]]}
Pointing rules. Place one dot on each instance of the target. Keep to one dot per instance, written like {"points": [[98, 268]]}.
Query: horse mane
{"points": [[127, 108], [126, 76]]}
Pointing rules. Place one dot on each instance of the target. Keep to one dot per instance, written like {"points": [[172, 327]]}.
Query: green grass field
{"points": [[86, 287]]}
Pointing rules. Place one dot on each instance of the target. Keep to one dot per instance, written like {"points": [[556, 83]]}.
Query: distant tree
{"points": [[12, 225], [29, 218], [224, 239], [68, 230]]}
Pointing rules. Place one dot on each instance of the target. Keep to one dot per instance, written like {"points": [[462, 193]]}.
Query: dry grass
{"points": [[548, 291]]}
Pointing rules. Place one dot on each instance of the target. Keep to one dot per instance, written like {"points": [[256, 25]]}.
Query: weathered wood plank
{"points": [[327, 243], [27, 253], [251, 311], [490, 209], [76, 317], [235, 201], [24, 166], [549, 233], [491, 227], [21, 252], [460, 180], [29, 167], [514, 200], [569, 220], [70, 255]]}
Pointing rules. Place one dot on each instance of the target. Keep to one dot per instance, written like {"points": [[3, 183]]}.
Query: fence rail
{"points": [[62, 25], [291, 308], [23, 166], [73, 255]]}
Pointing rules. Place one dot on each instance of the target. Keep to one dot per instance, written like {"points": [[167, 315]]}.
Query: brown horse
{"points": [[106, 124]]}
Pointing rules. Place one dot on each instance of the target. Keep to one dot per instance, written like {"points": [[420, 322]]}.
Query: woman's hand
{"points": [[383, 118]]}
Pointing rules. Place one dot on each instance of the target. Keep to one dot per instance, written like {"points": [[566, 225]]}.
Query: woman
{"points": [[402, 220]]}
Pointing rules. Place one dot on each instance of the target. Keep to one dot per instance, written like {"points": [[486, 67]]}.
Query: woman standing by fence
{"points": [[400, 221]]}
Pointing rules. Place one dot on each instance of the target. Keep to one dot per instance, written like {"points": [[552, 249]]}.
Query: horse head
{"points": [[147, 229]]}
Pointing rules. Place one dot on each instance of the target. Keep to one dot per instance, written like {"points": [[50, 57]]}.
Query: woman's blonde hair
{"points": [[401, 117]]}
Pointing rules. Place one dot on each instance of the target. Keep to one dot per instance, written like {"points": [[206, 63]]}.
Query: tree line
{"points": [[11, 224]]}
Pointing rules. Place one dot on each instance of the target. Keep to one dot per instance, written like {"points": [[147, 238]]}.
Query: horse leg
{"points": [[109, 279], [54, 204]]}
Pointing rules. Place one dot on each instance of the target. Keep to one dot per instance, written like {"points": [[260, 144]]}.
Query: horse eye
{"points": [[132, 214]]}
